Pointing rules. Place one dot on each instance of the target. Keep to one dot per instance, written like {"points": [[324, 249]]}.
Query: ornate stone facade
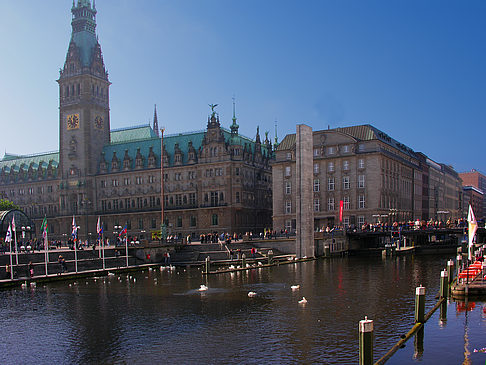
{"points": [[214, 180]]}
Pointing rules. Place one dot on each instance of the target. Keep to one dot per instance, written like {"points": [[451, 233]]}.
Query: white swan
{"points": [[203, 287], [295, 287], [252, 294], [303, 301]]}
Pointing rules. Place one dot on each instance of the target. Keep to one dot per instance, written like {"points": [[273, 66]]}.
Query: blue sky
{"points": [[414, 69]]}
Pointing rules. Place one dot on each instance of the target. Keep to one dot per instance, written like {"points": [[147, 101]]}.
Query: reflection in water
{"points": [[418, 343], [161, 317], [443, 314]]}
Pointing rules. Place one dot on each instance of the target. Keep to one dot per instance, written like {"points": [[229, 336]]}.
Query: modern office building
{"points": [[213, 180]]}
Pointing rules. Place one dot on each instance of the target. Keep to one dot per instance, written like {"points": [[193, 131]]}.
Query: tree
{"points": [[7, 205]]}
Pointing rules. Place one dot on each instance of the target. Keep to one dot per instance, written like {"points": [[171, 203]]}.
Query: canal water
{"points": [[161, 316]]}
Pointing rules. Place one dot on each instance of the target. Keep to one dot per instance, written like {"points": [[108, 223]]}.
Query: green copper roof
{"points": [[10, 161], [143, 138], [83, 30], [132, 134]]}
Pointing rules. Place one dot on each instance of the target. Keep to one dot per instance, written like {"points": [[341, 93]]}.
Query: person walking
{"points": [[31, 269]]}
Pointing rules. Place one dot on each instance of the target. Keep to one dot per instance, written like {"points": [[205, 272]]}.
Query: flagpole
{"points": [[103, 248], [46, 250], [126, 244], [16, 252], [11, 260], [76, 252]]}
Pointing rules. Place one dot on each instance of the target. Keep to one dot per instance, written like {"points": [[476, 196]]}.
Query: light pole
{"points": [[163, 228]]}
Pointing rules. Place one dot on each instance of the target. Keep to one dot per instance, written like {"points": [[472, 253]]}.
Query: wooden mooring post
{"points": [[444, 284], [366, 342], [419, 304], [450, 270]]}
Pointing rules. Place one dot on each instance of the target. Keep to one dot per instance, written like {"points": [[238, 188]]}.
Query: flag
{"points": [[341, 208], [74, 233], [123, 231], [44, 227], [8, 237], [472, 227], [13, 224], [99, 227]]}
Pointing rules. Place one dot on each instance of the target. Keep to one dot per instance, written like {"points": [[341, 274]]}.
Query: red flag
{"points": [[341, 208]]}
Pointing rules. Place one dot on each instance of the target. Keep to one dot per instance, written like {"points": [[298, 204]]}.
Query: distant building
{"points": [[376, 177], [476, 180], [214, 179]]}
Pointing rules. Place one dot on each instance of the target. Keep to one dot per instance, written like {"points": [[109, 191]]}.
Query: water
{"points": [[162, 317]]}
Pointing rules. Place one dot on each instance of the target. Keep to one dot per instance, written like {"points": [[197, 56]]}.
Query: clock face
{"points": [[98, 122], [72, 121]]}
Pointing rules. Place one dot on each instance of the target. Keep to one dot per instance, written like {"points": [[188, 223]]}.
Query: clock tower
{"points": [[84, 112]]}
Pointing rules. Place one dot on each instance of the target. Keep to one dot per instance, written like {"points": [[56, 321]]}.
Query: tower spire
{"points": [[276, 138], [234, 127], [156, 123]]}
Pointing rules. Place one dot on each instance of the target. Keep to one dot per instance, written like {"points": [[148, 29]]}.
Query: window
{"points": [[317, 205], [361, 181], [330, 150], [151, 179], [316, 152], [330, 166], [126, 181], [214, 220], [346, 203], [237, 171], [361, 220], [191, 175], [288, 225], [345, 182], [361, 164], [317, 185], [289, 156], [345, 165], [288, 187], [346, 148], [330, 204], [193, 221], [140, 223], [138, 180], [179, 221], [114, 182], [288, 207], [287, 171], [178, 176], [192, 199], [346, 222], [178, 200], [214, 198], [330, 184], [361, 201], [361, 147], [154, 223], [237, 197], [316, 168]]}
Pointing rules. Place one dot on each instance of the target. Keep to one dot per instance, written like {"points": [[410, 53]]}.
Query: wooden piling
{"points": [[450, 270], [419, 304], [208, 265], [444, 284], [366, 341]]}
